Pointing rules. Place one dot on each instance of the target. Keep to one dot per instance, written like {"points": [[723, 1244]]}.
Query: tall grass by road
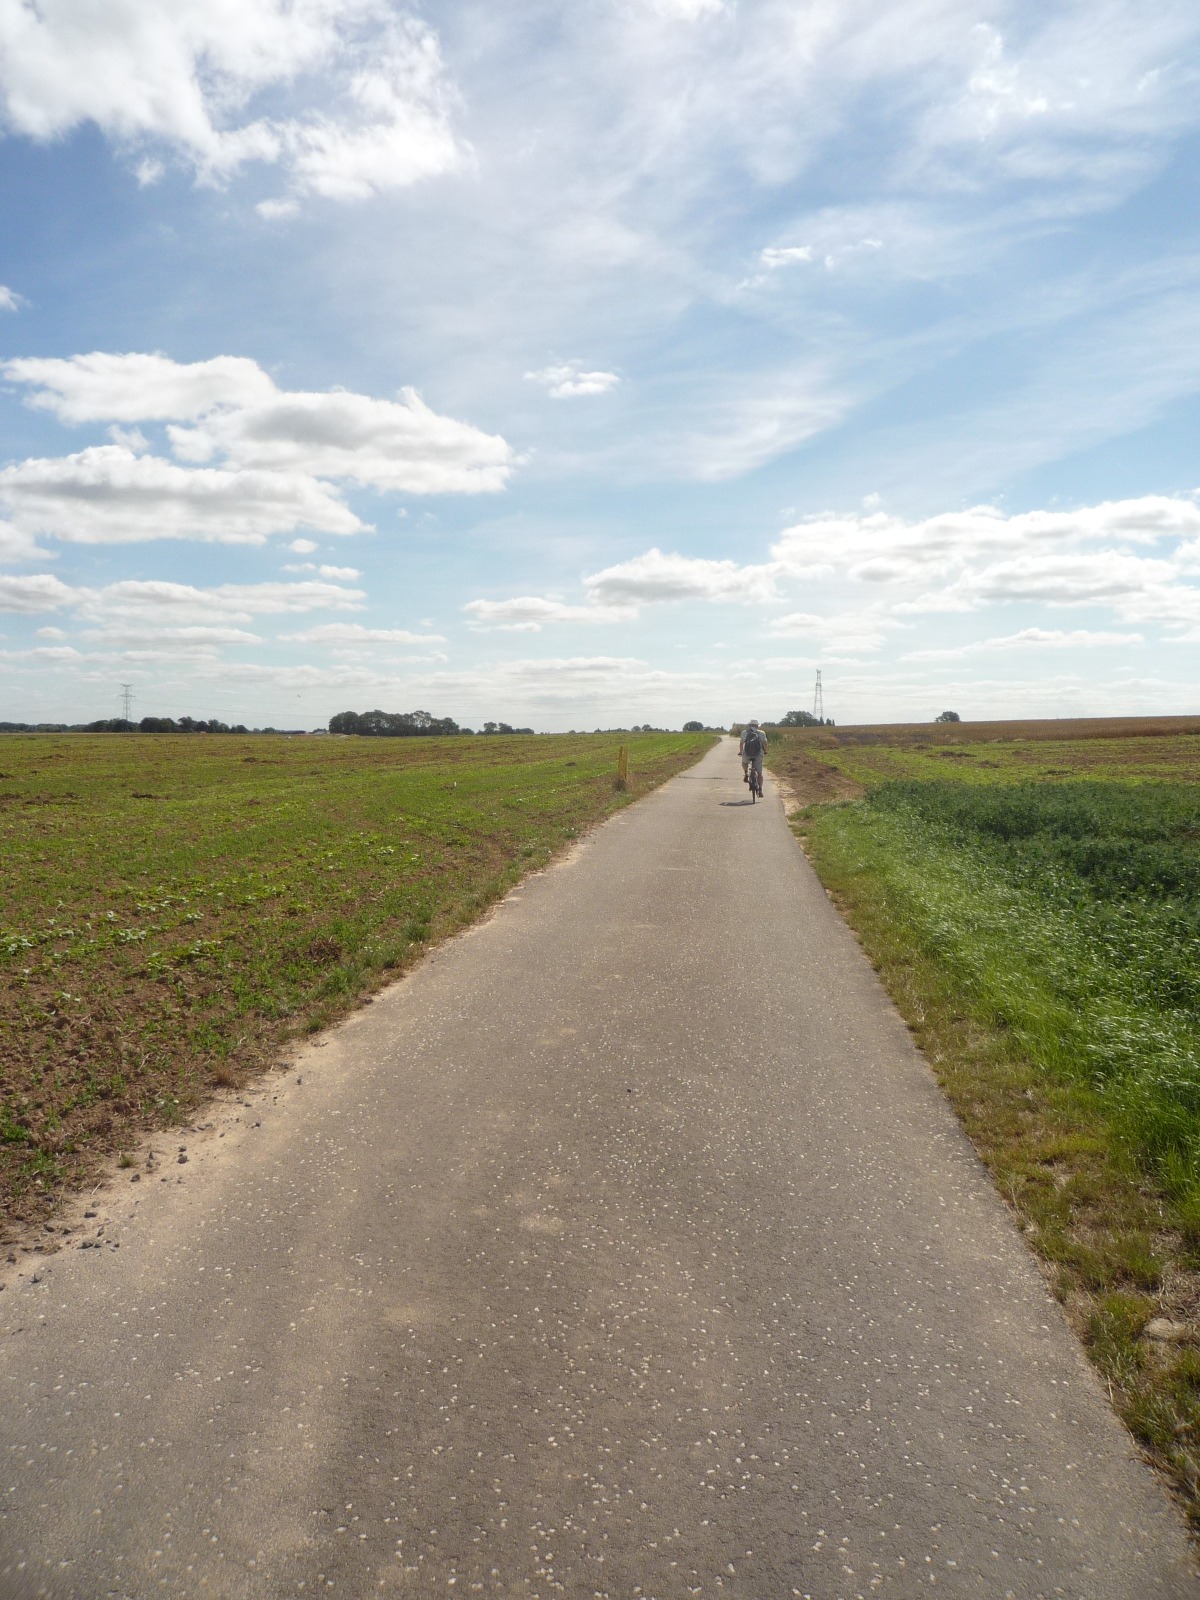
{"points": [[172, 910], [1034, 908], [1069, 916]]}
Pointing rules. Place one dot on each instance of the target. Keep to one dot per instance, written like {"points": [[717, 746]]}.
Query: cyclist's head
{"points": [[753, 722]]}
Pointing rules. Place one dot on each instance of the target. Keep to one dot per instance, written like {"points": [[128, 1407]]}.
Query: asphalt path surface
{"points": [[625, 1249]]}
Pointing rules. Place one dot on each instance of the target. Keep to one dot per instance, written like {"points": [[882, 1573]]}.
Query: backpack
{"points": [[753, 743]]}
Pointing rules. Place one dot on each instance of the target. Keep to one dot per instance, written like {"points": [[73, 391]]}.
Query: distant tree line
{"points": [[146, 725], [407, 725], [803, 719]]}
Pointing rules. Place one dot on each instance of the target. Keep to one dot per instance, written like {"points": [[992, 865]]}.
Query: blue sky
{"points": [[580, 365]]}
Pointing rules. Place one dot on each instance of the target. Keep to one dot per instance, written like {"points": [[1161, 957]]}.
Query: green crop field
{"points": [[1032, 900], [172, 909]]}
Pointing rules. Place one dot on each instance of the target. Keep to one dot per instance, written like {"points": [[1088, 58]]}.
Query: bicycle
{"points": [[754, 779]]}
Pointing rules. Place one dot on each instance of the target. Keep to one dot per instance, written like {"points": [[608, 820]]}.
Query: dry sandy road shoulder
{"points": [[627, 1248]]}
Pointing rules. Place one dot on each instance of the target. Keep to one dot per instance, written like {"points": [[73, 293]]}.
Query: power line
{"points": [[819, 699], [126, 699]]}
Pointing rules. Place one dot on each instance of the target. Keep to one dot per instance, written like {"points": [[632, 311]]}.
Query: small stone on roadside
{"points": [[137, 1178], [182, 1160], [1166, 1331]]}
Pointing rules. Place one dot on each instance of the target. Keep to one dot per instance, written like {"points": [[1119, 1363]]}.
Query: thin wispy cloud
{"points": [[355, 633], [1030, 639]]}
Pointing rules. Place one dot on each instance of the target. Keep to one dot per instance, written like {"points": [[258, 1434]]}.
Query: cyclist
{"points": [[751, 746]]}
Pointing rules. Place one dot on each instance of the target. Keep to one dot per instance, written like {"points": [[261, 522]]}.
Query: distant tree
{"points": [[392, 724], [799, 719], [947, 716], [693, 727]]}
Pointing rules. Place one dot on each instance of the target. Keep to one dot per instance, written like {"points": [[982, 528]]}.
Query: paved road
{"points": [[626, 1249]]}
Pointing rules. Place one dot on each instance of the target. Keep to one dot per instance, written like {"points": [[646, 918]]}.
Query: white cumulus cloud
{"points": [[41, 592], [390, 444], [108, 495], [656, 576], [569, 381], [615, 594], [528, 613], [369, 109], [1133, 559], [271, 452], [785, 255], [17, 544], [106, 386], [836, 632], [205, 637], [236, 411], [177, 604], [173, 605], [398, 132], [687, 10], [964, 554]]}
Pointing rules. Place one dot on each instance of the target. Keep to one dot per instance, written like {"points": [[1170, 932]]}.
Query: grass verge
{"points": [[175, 909], [1042, 940]]}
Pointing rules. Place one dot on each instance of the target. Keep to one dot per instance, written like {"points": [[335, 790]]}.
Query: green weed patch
{"points": [[1069, 915], [173, 909]]}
